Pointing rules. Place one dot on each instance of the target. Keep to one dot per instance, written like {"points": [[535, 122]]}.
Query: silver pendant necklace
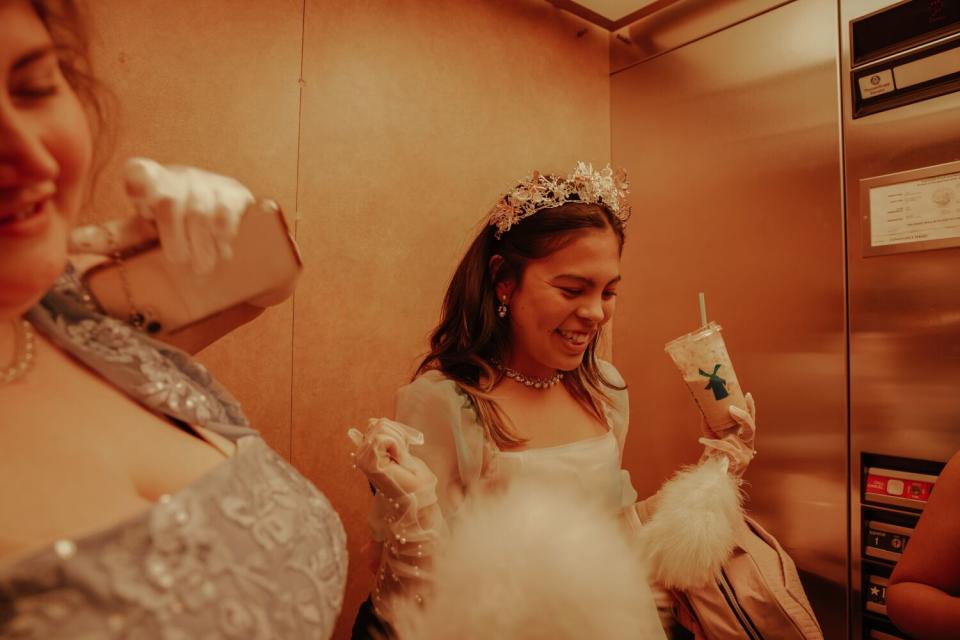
{"points": [[23, 352], [535, 383]]}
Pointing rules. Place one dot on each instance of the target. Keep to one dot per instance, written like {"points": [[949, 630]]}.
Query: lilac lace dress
{"points": [[249, 550]]}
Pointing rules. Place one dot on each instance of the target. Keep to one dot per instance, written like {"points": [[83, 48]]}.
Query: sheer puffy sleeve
{"points": [[453, 439], [618, 409], [410, 521], [617, 412]]}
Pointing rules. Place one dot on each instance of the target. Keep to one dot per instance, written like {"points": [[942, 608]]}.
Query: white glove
{"points": [[737, 446], [197, 213], [383, 454]]}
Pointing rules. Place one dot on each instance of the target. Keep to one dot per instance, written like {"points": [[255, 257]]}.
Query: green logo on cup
{"points": [[716, 384]]}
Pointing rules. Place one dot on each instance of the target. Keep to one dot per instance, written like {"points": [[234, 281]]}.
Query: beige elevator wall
{"points": [[413, 116]]}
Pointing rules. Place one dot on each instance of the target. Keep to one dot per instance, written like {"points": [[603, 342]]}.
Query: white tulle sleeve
{"points": [[617, 412], [410, 524], [413, 531], [453, 439]]}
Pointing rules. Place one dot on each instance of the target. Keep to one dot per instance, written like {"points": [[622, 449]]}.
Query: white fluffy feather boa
{"points": [[693, 527], [534, 562]]}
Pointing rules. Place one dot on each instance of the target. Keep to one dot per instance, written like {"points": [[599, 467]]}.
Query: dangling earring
{"points": [[502, 309]]}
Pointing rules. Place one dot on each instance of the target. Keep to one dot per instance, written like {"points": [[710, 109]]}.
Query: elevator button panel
{"points": [[886, 634], [876, 594], [886, 541], [893, 493], [898, 488]]}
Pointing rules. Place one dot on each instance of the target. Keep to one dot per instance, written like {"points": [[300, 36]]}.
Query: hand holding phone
{"points": [[139, 284], [197, 212]]}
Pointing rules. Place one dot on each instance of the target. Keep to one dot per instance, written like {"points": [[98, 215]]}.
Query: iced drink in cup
{"points": [[705, 366]]}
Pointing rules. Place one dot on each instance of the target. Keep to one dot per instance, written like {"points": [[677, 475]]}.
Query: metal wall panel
{"points": [[732, 143], [904, 308]]}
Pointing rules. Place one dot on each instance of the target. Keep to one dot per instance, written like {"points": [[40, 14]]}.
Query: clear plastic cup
{"points": [[701, 356]]}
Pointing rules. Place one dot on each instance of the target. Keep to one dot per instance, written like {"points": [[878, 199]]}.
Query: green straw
{"points": [[703, 309]]}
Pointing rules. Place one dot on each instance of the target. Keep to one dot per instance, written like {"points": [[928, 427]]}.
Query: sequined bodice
{"points": [[250, 550]]}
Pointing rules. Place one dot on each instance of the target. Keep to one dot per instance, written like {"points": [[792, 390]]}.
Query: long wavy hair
{"points": [[471, 337], [69, 30]]}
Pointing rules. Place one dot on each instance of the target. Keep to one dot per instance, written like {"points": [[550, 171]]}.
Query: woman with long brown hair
{"points": [[512, 387], [135, 499]]}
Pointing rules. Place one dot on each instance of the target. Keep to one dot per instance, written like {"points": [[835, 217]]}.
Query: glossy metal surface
{"points": [[667, 25], [732, 144], [904, 308]]}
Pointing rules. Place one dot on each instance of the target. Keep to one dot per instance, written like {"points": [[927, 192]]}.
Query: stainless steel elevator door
{"points": [[732, 144], [904, 308]]}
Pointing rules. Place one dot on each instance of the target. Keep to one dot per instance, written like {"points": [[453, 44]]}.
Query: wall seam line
{"points": [[296, 219]]}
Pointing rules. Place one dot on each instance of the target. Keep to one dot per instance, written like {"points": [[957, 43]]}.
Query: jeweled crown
{"points": [[538, 191]]}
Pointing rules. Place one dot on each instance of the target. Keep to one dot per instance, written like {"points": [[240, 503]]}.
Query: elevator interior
{"points": [[761, 139]]}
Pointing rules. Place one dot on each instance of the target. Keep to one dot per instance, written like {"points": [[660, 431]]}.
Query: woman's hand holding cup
{"points": [[737, 445]]}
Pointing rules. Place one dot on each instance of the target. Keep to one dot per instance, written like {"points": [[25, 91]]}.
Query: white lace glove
{"points": [[407, 487], [737, 445], [401, 479], [197, 213], [383, 455]]}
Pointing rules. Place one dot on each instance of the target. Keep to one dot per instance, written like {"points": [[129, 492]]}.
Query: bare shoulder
{"points": [[941, 517], [949, 480], [933, 557]]}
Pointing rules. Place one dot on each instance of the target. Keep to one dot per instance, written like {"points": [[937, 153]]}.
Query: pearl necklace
{"points": [[23, 356], [535, 383]]}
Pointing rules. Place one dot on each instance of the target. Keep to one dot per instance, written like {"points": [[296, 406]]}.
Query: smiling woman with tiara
{"points": [[512, 390]]}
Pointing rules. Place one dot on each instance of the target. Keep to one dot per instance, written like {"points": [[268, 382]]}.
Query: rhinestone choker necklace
{"points": [[23, 356], [535, 383]]}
